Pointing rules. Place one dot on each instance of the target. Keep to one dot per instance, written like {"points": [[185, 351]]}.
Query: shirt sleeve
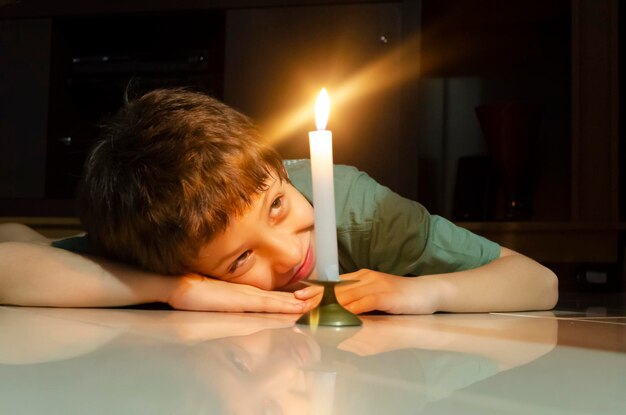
{"points": [[76, 244], [451, 248], [379, 229]]}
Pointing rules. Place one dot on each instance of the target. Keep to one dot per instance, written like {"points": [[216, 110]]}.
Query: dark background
{"points": [[405, 78]]}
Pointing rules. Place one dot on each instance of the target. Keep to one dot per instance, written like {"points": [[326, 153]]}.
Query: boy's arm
{"points": [[511, 282], [32, 273]]}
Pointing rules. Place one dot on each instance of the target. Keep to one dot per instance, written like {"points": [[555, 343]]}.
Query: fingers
{"points": [[309, 292], [310, 295], [351, 293], [365, 295], [358, 298], [277, 306], [212, 295], [262, 305], [362, 305], [354, 297], [275, 302]]}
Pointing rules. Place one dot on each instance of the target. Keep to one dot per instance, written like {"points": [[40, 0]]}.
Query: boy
{"points": [[184, 205]]}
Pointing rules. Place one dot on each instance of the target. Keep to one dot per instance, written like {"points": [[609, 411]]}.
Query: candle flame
{"points": [[322, 109]]}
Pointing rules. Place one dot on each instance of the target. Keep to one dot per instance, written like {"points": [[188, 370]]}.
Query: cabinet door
{"points": [[24, 78], [278, 59]]}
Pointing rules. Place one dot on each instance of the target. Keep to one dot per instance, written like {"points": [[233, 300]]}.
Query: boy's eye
{"points": [[276, 206], [239, 261]]}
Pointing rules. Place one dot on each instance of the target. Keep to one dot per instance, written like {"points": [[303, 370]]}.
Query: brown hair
{"points": [[170, 171]]}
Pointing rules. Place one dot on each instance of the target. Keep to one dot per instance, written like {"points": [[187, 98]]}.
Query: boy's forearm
{"points": [[509, 283], [39, 275], [16, 232], [43, 276]]}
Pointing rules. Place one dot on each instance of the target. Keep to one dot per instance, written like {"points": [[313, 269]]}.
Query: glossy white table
{"points": [[129, 361]]}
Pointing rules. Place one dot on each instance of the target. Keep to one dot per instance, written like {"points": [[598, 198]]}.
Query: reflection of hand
{"points": [[509, 341], [195, 292], [379, 291], [194, 328]]}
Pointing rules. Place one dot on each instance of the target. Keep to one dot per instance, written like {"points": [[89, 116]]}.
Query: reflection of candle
{"points": [[321, 143], [323, 393]]}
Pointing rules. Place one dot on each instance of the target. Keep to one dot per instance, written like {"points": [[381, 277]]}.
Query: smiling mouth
{"points": [[305, 269]]}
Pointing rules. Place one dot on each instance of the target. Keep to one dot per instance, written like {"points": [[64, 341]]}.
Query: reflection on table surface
{"points": [[126, 361]]}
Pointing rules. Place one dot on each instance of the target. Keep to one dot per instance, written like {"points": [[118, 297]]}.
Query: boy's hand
{"points": [[382, 292], [195, 292], [389, 293]]}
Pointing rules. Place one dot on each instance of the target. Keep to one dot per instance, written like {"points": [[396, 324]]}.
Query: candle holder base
{"points": [[329, 312]]}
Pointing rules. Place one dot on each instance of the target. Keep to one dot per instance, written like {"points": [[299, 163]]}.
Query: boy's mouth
{"points": [[306, 268]]}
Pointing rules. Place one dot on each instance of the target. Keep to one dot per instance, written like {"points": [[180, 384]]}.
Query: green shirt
{"points": [[380, 230]]}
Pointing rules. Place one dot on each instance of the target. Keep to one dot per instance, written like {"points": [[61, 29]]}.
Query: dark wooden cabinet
{"points": [[562, 55], [24, 92]]}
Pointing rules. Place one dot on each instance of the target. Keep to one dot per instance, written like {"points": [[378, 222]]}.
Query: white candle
{"points": [[321, 143]]}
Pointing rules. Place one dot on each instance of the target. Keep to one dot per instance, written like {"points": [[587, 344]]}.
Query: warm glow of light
{"points": [[391, 70], [322, 109]]}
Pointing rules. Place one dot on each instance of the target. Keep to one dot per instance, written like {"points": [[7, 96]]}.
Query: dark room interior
{"points": [[503, 116], [414, 74]]}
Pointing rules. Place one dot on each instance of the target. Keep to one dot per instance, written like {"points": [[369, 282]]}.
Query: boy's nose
{"points": [[286, 251]]}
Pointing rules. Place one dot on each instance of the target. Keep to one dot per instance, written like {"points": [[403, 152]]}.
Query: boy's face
{"points": [[271, 246]]}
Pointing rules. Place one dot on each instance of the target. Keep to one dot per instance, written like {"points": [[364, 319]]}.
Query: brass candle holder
{"points": [[329, 312]]}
